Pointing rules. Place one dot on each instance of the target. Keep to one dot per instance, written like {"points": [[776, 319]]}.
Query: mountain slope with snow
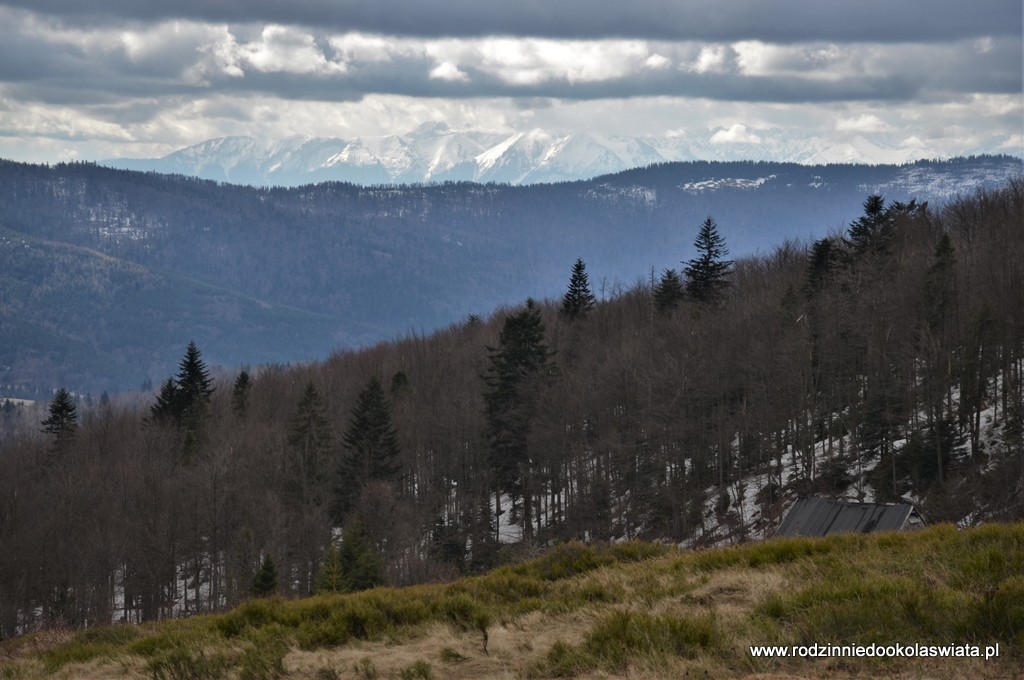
{"points": [[435, 153]]}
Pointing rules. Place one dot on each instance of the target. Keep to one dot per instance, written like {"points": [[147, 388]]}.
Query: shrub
{"points": [[625, 636], [264, 660], [89, 644], [187, 663], [421, 669]]}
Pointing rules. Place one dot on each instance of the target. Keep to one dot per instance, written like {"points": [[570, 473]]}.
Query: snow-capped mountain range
{"points": [[435, 153]]}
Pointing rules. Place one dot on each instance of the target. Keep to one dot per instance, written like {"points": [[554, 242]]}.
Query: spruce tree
{"points": [[668, 293], [240, 394], [183, 399], [361, 566], [265, 582], [371, 444], [167, 407], [194, 382], [332, 574], [822, 262], [940, 286], [871, 231], [62, 424], [874, 231], [939, 309], [312, 441], [708, 274], [518, 370], [578, 300]]}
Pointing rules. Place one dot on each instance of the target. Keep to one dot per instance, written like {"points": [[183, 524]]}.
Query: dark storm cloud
{"points": [[67, 77], [709, 20]]}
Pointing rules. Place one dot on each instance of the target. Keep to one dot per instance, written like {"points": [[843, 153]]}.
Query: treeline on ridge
{"points": [[646, 415]]}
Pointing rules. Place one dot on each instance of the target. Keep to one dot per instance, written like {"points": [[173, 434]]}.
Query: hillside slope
{"points": [[885, 364], [76, 316], [379, 261], [631, 610]]}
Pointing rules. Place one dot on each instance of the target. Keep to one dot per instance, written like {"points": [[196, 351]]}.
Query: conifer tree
{"points": [[578, 299], [265, 582], [194, 382], [167, 407], [62, 424], [361, 566], [871, 231], [184, 398], [312, 440], [668, 293], [332, 574], [371, 443], [939, 309], [708, 274], [240, 394], [940, 283], [824, 257], [518, 370]]}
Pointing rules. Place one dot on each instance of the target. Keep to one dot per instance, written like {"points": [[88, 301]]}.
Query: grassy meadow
{"points": [[630, 610]]}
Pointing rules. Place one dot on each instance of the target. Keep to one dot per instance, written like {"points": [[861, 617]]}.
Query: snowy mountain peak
{"points": [[434, 152]]}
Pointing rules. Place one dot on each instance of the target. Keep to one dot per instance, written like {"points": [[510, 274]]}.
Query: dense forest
{"points": [[884, 361], [106, 274]]}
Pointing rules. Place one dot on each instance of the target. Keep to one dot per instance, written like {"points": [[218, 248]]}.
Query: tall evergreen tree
{"points": [[871, 231], [940, 286], [824, 257], [578, 299], [194, 382], [184, 398], [708, 274], [167, 407], [332, 577], [361, 566], [371, 443], [264, 584], [668, 292], [518, 370], [874, 231], [939, 310], [62, 423], [311, 439], [240, 394]]}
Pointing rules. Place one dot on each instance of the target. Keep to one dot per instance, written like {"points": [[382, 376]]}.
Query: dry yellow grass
{"points": [[762, 594]]}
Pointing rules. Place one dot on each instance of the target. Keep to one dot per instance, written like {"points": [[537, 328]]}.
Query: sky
{"points": [[99, 79]]}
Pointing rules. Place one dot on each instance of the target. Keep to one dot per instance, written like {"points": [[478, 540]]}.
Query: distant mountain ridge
{"points": [[435, 153], [276, 275]]}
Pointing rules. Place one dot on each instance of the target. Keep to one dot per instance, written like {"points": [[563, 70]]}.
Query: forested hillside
{"points": [[279, 275], [884, 361]]}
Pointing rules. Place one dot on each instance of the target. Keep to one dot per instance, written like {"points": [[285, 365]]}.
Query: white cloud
{"points": [[1014, 144], [714, 59], [288, 50], [657, 61], [866, 122], [369, 49], [815, 60], [121, 88], [735, 134], [446, 70]]}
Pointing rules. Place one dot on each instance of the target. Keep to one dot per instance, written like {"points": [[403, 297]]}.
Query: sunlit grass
{"points": [[607, 610]]}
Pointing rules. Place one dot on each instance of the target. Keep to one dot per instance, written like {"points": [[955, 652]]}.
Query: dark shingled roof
{"points": [[822, 516]]}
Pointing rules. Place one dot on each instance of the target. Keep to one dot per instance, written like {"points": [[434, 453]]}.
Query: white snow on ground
{"points": [[725, 183], [747, 521]]}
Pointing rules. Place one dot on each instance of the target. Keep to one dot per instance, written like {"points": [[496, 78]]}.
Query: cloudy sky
{"points": [[94, 79]]}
